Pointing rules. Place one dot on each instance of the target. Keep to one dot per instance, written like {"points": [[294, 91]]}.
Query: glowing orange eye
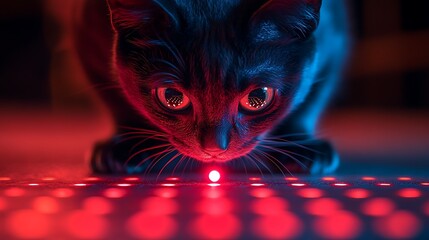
{"points": [[258, 99], [172, 98]]}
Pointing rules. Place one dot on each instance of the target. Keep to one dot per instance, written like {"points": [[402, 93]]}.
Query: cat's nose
{"points": [[215, 140]]}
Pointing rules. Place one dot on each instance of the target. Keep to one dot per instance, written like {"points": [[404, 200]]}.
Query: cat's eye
{"points": [[258, 99], [172, 98]]}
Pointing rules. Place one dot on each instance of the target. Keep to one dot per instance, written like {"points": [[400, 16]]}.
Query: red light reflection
{"points": [[340, 225], [426, 208], [261, 192], [207, 226], [14, 192], [398, 225], [215, 206], [378, 207], [166, 192], [97, 205], [322, 206], [269, 206], [83, 224], [62, 193], [357, 193], [310, 193], [159, 206], [3, 204], [46, 205], [28, 224], [283, 225], [114, 192], [149, 226], [368, 178], [409, 193]]}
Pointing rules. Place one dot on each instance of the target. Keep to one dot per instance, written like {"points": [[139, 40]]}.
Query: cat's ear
{"points": [[135, 14], [299, 17]]}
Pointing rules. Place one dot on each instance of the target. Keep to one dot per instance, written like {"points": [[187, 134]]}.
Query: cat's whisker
{"points": [[284, 142], [178, 163], [273, 160], [178, 154], [247, 158], [145, 150], [244, 166], [255, 159], [156, 155], [158, 159], [282, 150], [288, 154]]}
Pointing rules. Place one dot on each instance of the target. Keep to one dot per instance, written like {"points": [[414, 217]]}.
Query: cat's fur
{"points": [[215, 52]]}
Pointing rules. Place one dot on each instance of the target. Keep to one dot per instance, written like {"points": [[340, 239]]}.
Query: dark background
{"points": [[389, 66]]}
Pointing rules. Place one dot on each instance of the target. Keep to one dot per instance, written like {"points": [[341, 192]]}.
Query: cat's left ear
{"points": [[299, 17], [138, 14]]}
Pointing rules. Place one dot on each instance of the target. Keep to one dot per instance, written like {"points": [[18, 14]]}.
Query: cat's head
{"points": [[214, 75]]}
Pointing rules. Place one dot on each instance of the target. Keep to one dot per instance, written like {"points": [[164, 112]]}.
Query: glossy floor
{"points": [[238, 207]]}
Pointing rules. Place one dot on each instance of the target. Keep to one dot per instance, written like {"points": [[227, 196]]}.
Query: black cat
{"points": [[234, 82]]}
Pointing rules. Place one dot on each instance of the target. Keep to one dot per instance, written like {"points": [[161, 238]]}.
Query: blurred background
{"points": [[380, 113]]}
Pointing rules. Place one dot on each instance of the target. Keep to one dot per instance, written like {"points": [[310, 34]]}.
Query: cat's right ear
{"points": [[136, 14]]}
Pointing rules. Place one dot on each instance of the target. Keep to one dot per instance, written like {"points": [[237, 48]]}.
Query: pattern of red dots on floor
{"points": [[240, 208]]}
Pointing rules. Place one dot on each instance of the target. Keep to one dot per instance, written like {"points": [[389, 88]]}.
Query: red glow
{"points": [[257, 184], [123, 184], [425, 183], [28, 224], [298, 184], [172, 179], [33, 184], [3, 204], [384, 184], [368, 178], [213, 193], [261, 192], [168, 184], [83, 224], [80, 184], [409, 193], [48, 179], [269, 206], [132, 179], [329, 179], [92, 179], [341, 184], [149, 226], [378, 207], [310, 193], [284, 225], [206, 226], [357, 193], [215, 206], [291, 178], [159, 206], [255, 179], [166, 192], [398, 225], [214, 176], [97, 205], [340, 225], [213, 184], [404, 178], [14, 192], [46, 205], [5, 178], [62, 193], [114, 192], [322, 206]]}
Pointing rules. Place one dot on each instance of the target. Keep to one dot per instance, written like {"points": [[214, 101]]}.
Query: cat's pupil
{"points": [[173, 97], [257, 98]]}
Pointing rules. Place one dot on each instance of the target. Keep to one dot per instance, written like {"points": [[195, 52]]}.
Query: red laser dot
{"points": [[409, 193], [214, 176], [213, 184]]}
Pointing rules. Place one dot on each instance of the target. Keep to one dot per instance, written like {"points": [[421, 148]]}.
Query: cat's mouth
{"points": [[206, 156]]}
